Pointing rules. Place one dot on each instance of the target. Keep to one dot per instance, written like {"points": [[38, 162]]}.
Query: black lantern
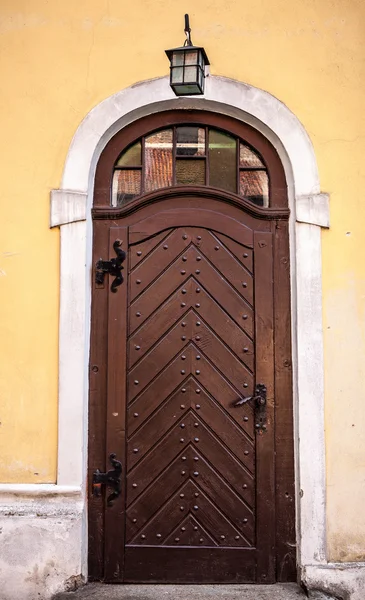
{"points": [[187, 66]]}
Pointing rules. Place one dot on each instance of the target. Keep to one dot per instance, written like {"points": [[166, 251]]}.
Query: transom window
{"points": [[190, 155]]}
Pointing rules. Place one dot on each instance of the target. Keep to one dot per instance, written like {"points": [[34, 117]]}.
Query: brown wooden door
{"points": [[188, 333]]}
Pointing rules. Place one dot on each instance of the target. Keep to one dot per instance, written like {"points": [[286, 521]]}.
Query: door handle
{"points": [[259, 397], [113, 267]]}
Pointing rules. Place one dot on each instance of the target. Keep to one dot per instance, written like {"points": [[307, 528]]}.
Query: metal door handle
{"points": [[259, 398]]}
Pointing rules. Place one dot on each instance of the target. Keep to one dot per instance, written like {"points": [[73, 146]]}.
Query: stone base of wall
{"points": [[41, 541], [340, 581]]}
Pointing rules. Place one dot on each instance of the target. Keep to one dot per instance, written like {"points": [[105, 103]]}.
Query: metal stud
{"points": [[165, 247], [245, 520], [197, 372], [182, 495], [197, 271], [183, 272], [182, 406], [216, 247], [195, 507], [245, 486], [223, 537], [182, 371], [143, 537], [139, 253], [158, 535], [198, 258], [135, 450], [197, 290], [137, 347], [198, 338], [177, 539], [183, 472], [182, 440], [183, 529], [201, 540], [182, 508], [184, 258], [245, 385], [199, 237], [183, 291], [245, 418], [198, 323], [196, 424], [183, 357], [184, 237], [245, 255], [197, 305], [183, 304], [196, 458], [198, 357], [134, 520], [183, 324], [197, 391], [183, 458], [197, 406], [138, 281], [183, 337], [196, 494], [245, 349], [244, 284], [134, 485], [236, 537], [196, 439], [135, 415], [182, 425], [183, 390], [136, 382], [138, 314], [244, 317], [196, 473], [245, 452]]}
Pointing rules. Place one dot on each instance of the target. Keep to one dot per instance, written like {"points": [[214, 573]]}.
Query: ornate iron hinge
{"points": [[112, 267], [110, 479], [259, 398]]}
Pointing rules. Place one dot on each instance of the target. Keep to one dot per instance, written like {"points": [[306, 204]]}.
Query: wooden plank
{"points": [[265, 457]]}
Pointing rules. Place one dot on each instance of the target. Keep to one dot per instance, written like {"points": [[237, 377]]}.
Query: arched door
{"points": [[190, 380]]}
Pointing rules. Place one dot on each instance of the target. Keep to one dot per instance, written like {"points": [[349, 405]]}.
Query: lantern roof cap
{"points": [[185, 48]]}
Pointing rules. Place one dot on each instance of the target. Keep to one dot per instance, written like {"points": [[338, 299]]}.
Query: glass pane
{"points": [[222, 161], [186, 89], [191, 57], [131, 157], [254, 186], [190, 141], [249, 158], [190, 172], [177, 75], [126, 186], [177, 59], [190, 74], [158, 160]]}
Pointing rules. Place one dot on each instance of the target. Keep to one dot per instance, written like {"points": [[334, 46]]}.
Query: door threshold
{"points": [[100, 591]]}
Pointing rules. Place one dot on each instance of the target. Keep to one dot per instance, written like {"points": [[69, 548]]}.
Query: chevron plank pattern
{"points": [[191, 355]]}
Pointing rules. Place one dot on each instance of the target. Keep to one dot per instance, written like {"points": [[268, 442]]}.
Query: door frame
{"points": [[70, 209]]}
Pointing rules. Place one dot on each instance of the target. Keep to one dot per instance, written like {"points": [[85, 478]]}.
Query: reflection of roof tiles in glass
{"points": [[158, 168]]}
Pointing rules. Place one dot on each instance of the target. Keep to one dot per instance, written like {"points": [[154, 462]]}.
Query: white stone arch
{"points": [[70, 209]]}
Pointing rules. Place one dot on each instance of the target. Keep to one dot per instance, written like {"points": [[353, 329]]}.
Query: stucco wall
{"points": [[57, 61]]}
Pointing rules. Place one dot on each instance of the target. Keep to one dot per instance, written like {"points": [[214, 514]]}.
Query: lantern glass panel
{"points": [[191, 57], [177, 59], [187, 89], [190, 74], [177, 74]]}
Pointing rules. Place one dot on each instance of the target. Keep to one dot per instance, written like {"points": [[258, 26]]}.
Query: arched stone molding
{"points": [[70, 209]]}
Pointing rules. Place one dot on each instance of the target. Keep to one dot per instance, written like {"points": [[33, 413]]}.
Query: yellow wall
{"points": [[57, 61]]}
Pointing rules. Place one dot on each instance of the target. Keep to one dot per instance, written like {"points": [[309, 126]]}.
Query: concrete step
{"points": [[99, 591]]}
